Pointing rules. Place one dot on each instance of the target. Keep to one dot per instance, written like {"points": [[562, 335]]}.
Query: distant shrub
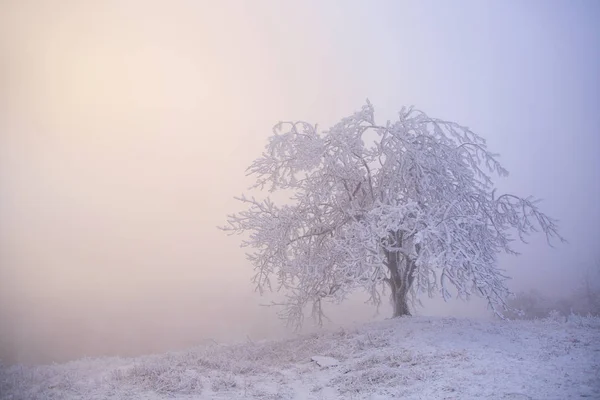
{"points": [[533, 305], [584, 300]]}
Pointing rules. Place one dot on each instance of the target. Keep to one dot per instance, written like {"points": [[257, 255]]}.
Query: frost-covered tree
{"points": [[408, 205]]}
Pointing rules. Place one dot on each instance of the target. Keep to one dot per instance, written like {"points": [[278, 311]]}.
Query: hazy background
{"points": [[126, 126]]}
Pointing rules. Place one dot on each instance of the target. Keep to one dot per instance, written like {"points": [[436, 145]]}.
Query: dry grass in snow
{"points": [[408, 358]]}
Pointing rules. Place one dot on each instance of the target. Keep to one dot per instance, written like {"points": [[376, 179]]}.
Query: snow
{"points": [[408, 358]]}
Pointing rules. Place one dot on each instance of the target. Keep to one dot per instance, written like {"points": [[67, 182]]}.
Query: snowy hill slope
{"points": [[409, 358]]}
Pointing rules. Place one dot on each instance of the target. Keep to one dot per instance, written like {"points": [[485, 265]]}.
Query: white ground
{"points": [[409, 358]]}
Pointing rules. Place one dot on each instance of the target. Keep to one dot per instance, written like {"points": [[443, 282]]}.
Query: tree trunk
{"points": [[399, 296], [401, 307], [401, 268], [400, 282]]}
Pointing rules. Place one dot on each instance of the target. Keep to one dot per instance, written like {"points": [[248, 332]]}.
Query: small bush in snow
{"points": [[161, 378]]}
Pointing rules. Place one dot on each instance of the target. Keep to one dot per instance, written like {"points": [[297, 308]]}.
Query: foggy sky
{"points": [[126, 127]]}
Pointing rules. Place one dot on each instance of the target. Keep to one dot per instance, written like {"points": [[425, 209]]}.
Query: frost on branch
{"points": [[409, 205]]}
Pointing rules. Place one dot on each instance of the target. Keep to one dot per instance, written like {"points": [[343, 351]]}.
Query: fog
{"points": [[126, 128]]}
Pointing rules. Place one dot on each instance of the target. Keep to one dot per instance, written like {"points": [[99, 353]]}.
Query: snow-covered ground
{"points": [[408, 358]]}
